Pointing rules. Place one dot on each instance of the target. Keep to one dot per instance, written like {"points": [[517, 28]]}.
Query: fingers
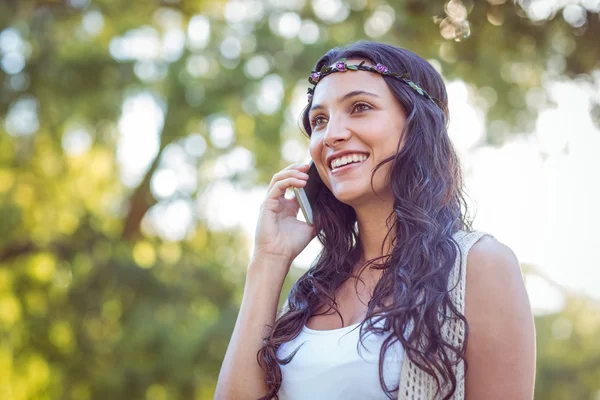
{"points": [[293, 175], [294, 170], [279, 188]]}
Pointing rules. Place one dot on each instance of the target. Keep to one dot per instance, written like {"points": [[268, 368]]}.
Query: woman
{"points": [[404, 301]]}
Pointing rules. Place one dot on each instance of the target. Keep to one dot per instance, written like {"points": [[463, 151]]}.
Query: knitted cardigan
{"points": [[416, 384]]}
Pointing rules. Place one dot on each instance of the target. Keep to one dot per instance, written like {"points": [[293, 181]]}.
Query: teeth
{"points": [[338, 162]]}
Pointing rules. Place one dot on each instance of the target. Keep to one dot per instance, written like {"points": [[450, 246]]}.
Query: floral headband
{"points": [[341, 66]]}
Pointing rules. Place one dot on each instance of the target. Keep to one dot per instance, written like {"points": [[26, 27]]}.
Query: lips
{"points": [[348, 167], [340, 154]]}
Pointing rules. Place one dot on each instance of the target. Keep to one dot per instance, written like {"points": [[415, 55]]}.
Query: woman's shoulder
{"points": [[494, 282], [501, 345], [490, 258], [490, 269]]}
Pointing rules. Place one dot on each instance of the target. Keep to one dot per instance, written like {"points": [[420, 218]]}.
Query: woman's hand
{"points": [[279, 234]]}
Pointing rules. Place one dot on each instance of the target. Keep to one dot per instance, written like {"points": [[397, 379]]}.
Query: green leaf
{"points": [[416, 87], [354, 67]]}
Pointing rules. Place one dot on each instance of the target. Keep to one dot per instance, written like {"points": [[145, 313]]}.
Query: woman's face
{"points": [[355, 111]]}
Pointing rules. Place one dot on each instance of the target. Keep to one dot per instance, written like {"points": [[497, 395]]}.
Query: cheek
{"points": [[390, 136], [314, 148]]}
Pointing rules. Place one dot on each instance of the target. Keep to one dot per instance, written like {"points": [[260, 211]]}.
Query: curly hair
{"points": [[429, 207]]}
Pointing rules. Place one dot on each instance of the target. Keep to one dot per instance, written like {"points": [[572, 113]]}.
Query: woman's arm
{"points": [[279, 238], [241, 377], [501, 343]]}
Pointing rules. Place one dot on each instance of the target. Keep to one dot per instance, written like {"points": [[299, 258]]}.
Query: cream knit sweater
{"points": [[416, 384]]}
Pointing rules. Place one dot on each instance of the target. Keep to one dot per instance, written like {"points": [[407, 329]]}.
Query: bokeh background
{"points": [[137, 139]]}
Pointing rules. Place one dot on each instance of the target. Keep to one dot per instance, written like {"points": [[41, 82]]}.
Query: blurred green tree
{"points": [[96, 299]]}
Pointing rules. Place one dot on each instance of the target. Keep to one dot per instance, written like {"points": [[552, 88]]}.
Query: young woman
{"points": [[405, 300]]}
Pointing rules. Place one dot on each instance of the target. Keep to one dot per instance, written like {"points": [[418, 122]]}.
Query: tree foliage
{"points": [[94, 302]]}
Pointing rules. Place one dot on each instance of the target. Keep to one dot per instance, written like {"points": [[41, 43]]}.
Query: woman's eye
{"points": [[361, 107], [358, 107], [316, 121]]}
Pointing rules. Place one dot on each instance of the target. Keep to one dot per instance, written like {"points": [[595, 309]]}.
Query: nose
{"points": [[337, 132]]}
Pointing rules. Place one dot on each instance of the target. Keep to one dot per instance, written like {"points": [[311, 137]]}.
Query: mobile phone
{"points": [[307, 195]]}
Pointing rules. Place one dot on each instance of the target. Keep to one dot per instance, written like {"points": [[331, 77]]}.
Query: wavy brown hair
{"points": [[429, 207]]}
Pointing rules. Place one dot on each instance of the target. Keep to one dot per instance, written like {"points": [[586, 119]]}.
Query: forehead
{"points": [[337, 84]]}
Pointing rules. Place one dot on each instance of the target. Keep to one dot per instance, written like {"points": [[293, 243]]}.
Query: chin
{"points": [[350, 197], [361, 196]]}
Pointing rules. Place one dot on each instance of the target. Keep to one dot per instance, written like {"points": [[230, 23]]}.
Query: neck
{"points": [[372, 230]]}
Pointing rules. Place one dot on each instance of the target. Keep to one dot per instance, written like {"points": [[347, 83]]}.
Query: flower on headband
{"points": [[314, 77], [381, 68], [310, 94], [340, 65]]}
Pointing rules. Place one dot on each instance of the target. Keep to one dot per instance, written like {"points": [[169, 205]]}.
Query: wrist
{"points": [[269, 267], [278, 260]]}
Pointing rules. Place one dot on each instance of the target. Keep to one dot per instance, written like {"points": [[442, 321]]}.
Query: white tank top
{"points": [[329, 366], [416, 383]]}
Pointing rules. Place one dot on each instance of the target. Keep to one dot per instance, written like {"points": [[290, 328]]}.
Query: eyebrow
{"points": [[346, 97]]}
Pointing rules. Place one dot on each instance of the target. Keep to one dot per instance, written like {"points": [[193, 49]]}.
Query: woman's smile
{"points": [[347, 168]]}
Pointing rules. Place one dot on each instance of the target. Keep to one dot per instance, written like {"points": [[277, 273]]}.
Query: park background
{"points": [[137, 139]]}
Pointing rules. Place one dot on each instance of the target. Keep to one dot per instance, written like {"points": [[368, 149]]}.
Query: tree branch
{"points": [[140, 202], [8, 253]]}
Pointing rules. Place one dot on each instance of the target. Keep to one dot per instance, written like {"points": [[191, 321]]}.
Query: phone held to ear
{"points": [[307, 195]]}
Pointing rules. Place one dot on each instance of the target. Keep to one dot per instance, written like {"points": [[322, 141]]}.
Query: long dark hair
{"points": [[429, 207]]}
